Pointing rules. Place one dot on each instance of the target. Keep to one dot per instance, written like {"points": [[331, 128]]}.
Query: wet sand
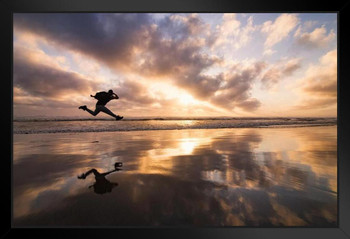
{"points": [[197, 177]]}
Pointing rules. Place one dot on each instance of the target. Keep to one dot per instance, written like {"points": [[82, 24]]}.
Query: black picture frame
{"points": [[342, 8]]}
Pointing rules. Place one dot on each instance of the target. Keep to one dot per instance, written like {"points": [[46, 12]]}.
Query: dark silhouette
{"points": [[102, 99], [102, 185]]}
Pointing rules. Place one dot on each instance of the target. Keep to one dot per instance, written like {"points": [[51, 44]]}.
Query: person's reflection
{"points": [[102, 185]]}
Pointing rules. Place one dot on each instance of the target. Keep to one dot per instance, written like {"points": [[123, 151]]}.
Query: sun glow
{"points": [[167, 91], [186, 99]]}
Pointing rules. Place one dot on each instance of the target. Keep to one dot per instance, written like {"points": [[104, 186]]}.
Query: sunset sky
{"points": [[213, 64]]}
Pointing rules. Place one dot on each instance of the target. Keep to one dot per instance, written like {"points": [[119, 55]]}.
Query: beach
{"points": [[244, 176]]}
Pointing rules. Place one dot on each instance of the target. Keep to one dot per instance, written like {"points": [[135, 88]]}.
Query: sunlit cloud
{"points": [[319, 86], [316, 39], [232, 35], [280, 71], [238, 84], [278, 30], [37, 76]]}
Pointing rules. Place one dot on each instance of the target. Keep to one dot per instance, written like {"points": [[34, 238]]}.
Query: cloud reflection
{"points": [[230, 177]]}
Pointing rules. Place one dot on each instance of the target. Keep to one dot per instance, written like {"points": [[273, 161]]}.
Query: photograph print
{"points": [[174, 119]]}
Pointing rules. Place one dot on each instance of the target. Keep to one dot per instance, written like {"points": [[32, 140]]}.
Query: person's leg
{"points": [[94, 113], [107, 111]]}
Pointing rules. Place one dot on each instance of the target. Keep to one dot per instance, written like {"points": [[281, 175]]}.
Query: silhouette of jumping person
{"points": [[102, 99], [102, 185]]}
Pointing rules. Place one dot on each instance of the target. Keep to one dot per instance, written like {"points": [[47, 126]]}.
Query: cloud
{"points": [[322, 79], [171, 49], [279, 29], [127, 43], [315, 39], [39, 80], [249, 105], [312, 104], [319, 85], [271, 77], [181, 59], [135, 92], [291, 66], [175, 49], [230, 33], [130, 41], [238, 83], [35, 75], [109, 38], [268, 52], [280, 71]]}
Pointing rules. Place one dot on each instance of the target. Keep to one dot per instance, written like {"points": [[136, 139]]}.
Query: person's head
{"points": [[110, 92]]}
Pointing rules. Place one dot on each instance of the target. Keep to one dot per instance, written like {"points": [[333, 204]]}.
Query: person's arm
{"points": [[112, 171], [115, 96]]}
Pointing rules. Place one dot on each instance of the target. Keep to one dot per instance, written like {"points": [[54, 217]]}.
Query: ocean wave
{"points": [[76, 126]]}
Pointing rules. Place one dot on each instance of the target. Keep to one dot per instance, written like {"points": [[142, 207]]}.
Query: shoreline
{"points": [[156, 118], [272, 126]]}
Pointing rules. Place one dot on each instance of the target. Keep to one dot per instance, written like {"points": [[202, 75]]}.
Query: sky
{"points": [[193, 64]]}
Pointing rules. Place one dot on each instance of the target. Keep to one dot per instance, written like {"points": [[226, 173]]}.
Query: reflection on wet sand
{"points": [[101, 185], [229, 177]]}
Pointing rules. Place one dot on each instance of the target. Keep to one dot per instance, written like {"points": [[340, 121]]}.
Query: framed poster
{"points": [[166, 119]]}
